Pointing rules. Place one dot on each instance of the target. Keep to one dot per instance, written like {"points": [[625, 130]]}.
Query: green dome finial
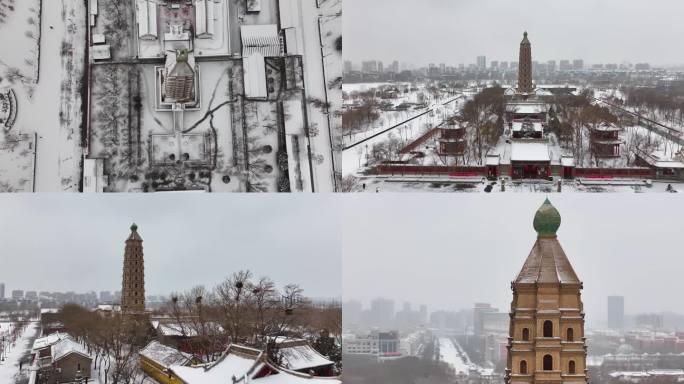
{"points": [[134, 227], [546, 220]]}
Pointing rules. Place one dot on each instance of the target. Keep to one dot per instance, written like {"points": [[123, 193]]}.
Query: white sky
{"points": [[61, 242], [456, 31], [450, 251]]}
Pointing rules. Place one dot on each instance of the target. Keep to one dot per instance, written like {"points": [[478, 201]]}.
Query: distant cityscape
{"points": [[376, 70]]}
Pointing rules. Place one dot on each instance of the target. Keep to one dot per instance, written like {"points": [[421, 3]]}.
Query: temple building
{"points": [[133, 285], [526, 124], [546, 341], [179, 77], [605, 141]]}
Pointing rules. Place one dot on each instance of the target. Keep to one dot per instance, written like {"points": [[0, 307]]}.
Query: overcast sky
{"points": [[450, 251], [456, 31], [65, 242]]}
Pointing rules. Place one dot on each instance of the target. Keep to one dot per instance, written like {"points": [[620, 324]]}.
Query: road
{"points": [[47, 96], [315, 84]]}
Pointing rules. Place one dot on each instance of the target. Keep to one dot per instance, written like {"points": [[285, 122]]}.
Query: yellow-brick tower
{"points": [[546, 341], [133, 286]]}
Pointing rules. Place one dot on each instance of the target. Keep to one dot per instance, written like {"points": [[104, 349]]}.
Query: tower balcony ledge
{"points": [[548, 342], [547, 376]]}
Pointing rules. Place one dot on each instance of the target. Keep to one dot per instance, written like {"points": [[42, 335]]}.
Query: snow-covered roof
{"points": [[518, 125], [529, 108], [165, 355], [605, 127], [533, 151], [492, 160], [48, 340], [289, 13], [567, 161], [262, 39], [299, 357], [174, 328], [66, 347], [204, 18], [146, 13], [243, 363], [231, 364], [101, 52], [658, 159], [254, 76], [98, 38]]}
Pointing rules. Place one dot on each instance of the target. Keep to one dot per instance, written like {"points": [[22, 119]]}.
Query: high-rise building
{"points": [[565, 65], [347, 66], [551, 65], [578, 64], [2, 291], [546, 336], [17, 294], [525, 66], [381, 311], [381, 67], [616, 312], [482, 62], [479, 312], [351, 313], [494, 64], [369, 66], [133, 284]]}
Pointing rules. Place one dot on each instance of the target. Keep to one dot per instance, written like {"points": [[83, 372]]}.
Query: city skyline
{"points": [[553, 28], [450, 265], [183, 247]]}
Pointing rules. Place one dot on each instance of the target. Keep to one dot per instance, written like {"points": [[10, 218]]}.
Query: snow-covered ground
{"points": [[9, 369], [45, 111], [316, 83], [21, 50], [452, 354], [354, 158]]}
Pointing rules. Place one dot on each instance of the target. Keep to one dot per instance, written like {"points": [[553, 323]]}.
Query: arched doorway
{"points": [[571, 367], [526, 334], [548, 363], [523, 367], [571, 335]]}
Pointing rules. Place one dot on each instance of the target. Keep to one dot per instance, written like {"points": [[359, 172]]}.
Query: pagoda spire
{"points": [[525, 66]]}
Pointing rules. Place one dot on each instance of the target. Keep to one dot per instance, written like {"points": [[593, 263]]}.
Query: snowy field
{"points": [[354, 158], [20, 53], [9, 369], [17, 156], [48, 112]]}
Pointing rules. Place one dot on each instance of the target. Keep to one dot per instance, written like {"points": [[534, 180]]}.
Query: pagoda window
{"points": [[526, 334], [548, 363], [570, 335], [548, 328], [523, 367], [571, 367]]}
